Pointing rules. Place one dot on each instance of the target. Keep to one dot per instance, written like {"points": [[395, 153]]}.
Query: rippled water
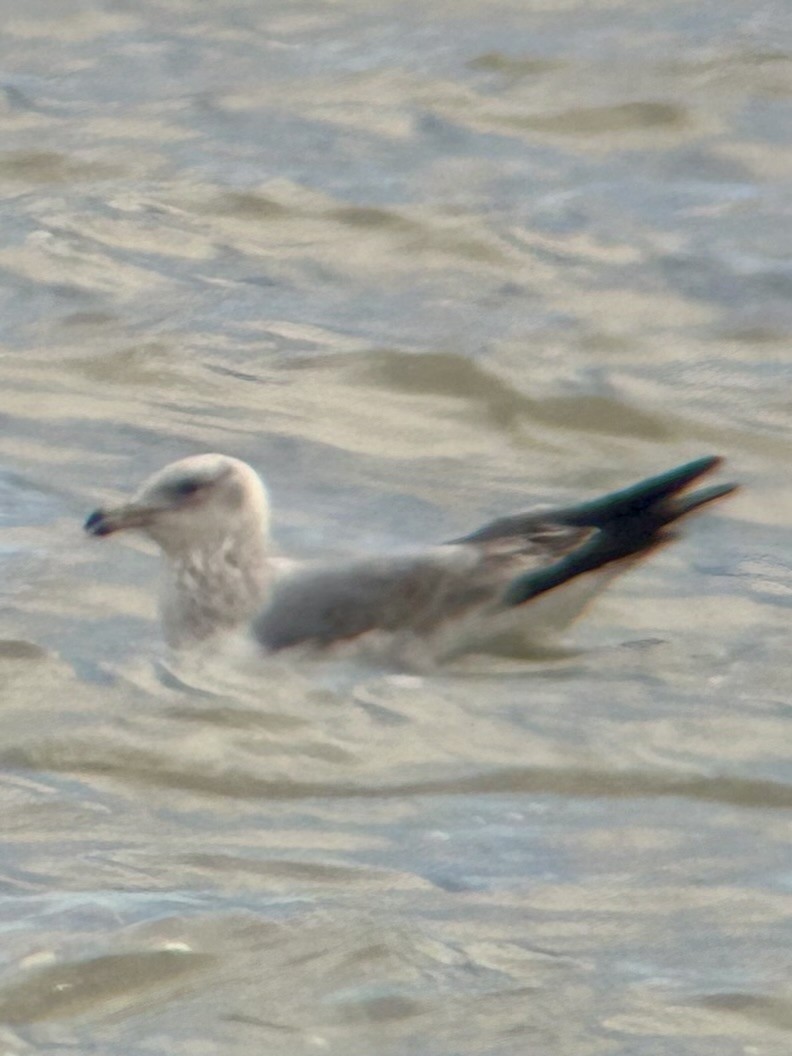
{"points": [[420, 264]]}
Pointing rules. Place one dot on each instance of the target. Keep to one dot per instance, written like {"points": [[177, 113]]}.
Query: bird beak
{"points": [[105, 522]]}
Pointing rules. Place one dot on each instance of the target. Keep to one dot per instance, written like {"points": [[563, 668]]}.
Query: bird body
{"points": [[495, 590]]}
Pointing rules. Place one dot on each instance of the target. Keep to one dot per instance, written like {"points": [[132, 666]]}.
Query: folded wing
{"points": [[500, 566]]}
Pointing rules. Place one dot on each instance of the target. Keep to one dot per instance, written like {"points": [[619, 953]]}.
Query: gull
{"points": [[503, 589]]}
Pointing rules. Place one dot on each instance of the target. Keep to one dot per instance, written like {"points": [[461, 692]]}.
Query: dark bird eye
{"points": [[185, 488]]}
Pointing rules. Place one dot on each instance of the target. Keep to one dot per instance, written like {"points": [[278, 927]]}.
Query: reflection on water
{"points": [[421, 267]]}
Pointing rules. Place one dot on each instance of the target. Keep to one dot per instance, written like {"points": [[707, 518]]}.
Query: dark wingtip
{"points": [[600, 512], [630, 523], [96, 524], [703, 465], [690, 471], [684, 504]]}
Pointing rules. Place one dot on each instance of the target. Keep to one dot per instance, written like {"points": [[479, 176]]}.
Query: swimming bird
{"points": [[501, 589]]}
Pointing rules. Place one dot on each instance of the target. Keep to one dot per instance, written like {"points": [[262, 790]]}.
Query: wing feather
{"points": [[322, 604]]}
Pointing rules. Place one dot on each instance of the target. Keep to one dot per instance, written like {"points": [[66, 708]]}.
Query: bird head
{"points": [[192, 504]]}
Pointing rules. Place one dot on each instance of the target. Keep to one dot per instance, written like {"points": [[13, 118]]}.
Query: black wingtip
{"points": [[684, 504], [629, 523], [639, 497]]}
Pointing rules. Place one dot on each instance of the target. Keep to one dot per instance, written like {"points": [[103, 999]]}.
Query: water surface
{"points": [[420, 264]]}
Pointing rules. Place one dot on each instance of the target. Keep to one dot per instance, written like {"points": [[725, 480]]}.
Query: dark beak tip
{"points": [[97, 525]]}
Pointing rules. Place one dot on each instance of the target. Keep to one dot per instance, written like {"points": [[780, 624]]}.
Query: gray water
{"points": [[420, 264]]}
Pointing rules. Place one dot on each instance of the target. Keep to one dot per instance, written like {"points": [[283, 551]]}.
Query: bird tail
{"points": [[626, 523]]}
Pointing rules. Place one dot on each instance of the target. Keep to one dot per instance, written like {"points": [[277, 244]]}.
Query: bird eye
{"points": [[185, 488]]}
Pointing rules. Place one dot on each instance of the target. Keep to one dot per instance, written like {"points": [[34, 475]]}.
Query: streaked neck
{"points": [[214, 589]]}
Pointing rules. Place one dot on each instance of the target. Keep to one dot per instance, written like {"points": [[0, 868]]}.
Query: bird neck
{"points": [[214, 588]]}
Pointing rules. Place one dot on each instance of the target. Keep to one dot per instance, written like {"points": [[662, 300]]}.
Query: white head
{"points": [[209, 514], [195, 504]]}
